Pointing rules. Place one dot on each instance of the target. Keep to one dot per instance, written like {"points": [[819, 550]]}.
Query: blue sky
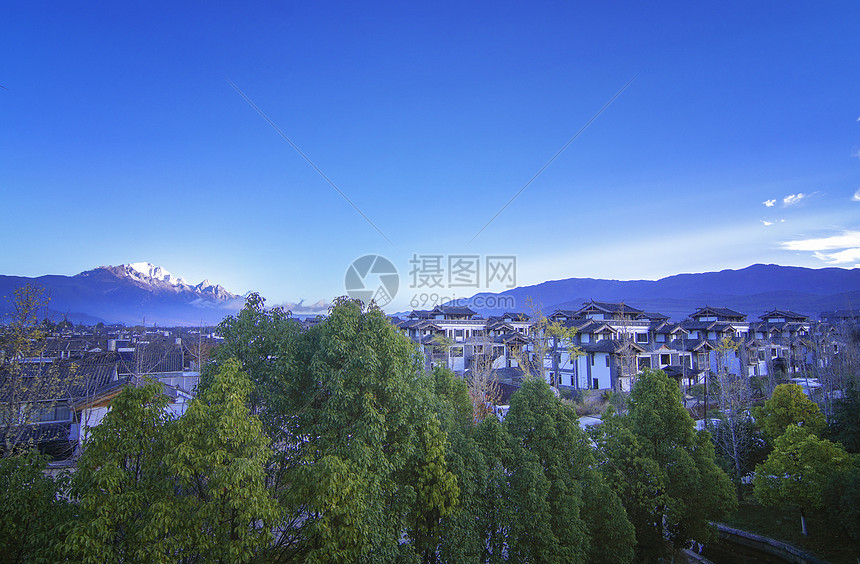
{"points": [[122, 139]]}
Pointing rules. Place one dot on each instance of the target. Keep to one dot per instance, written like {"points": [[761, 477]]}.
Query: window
{"points": [[607, 361], [595, 383], [644, 362], [641, 337], [665, 359]]}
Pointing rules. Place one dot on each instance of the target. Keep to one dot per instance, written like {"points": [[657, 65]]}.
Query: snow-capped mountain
{"points": [[160, 279], [148, 270], [130, 293]]}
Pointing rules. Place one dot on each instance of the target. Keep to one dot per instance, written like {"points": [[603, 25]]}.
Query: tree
{"points": [[436, 493], [344, 404], [663, 471], [30, 386], [199, 349], [32, 510], [798, 471], [561, 502], [845, 422], [153, 489], [217, 459], [483, 386], [734, 436], [122, 483], [637, 480], [545, 339], [261, 340], [842, 499], [790, 406]]}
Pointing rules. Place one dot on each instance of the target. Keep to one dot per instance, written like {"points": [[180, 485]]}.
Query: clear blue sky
{"points": [[122, 140]]}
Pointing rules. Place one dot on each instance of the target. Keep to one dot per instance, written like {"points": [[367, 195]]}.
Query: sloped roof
{"points": [[720, 312], [516, 316], [608, 307], [453, 310], [784, 313]]}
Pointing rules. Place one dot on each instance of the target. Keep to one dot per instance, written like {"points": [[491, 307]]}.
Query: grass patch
{"points": [[825, 540]]}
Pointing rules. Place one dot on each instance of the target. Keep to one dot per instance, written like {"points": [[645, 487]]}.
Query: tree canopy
{"points": [[798, 471], [790, 406], [662, 469], [331, 443]]}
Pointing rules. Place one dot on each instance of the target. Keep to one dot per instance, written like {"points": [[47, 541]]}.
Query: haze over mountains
{"points": [[130, 293]]}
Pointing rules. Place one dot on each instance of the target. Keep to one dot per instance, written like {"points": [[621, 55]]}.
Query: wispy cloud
{"points": [[856, 196], [841, 257], [769, 203], [842, 241], [844, 247], [320, 307], [766, 222], [793, 199]]}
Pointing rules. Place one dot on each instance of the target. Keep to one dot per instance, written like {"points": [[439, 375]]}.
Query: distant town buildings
{"points": [[615, 341]]}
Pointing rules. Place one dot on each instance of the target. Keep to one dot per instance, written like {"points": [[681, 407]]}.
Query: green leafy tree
{"points": [[637, 479], [798, 471], [663, 471], [261, 340], [345, 406], [790, 406], [32, 510], [153, 489], [842, 500], [122, 483], [222, 511], [845, 424], [436, 493], [561, 500]]}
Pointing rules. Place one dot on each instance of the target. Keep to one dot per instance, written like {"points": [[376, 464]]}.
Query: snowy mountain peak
{"points": [[149, 270], [148, 275]]}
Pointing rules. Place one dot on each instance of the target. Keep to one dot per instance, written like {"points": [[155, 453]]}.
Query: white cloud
{"points": [[793, 199], [769, 203], [845, 247], [845, 240], [856, 197], [766, 222], [841, 257]]}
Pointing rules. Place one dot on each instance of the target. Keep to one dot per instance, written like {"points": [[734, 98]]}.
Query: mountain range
{"points": [[753, 290], [128, 293], [138, 292]]}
